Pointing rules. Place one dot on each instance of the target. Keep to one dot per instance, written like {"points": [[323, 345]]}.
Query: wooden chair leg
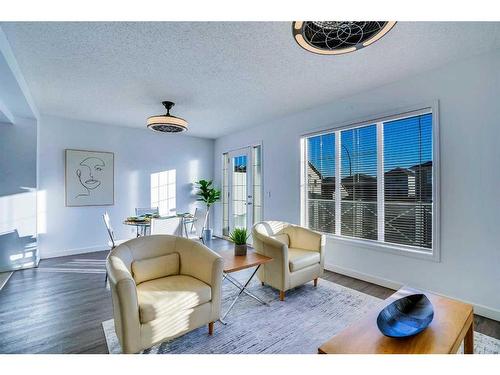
{"points": [[211, 328], [282, 295], [315, 282]]}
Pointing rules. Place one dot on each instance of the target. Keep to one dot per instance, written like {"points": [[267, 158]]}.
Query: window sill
{"points": [[402, 250]]}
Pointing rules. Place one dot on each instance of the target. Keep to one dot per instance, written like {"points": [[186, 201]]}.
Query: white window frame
{"points": [[170, 191], [432, 254]]}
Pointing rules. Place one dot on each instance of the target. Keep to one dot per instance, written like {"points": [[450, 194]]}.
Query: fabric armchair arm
{"points": [[125, 304], [199, 261], [271, 247], [277, 270]]}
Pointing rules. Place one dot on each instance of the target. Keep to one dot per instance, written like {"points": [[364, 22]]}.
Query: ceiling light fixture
{"points": [[338, 37], [167, 123]]}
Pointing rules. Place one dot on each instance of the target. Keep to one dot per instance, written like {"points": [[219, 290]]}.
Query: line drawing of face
{"points": [[90, 173]]}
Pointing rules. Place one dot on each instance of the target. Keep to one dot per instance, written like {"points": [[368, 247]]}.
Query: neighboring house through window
{"points": [[386, 194]]}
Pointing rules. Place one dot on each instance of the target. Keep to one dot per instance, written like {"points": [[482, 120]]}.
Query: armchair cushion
{"points": [[155, 268], [299, 258], [163, 297], [283, 238]]}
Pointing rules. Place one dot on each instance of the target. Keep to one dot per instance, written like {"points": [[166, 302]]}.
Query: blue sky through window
{"points": [[240, 162], [407, 142]]}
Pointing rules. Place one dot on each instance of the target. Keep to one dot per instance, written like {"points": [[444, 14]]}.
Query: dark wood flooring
{"points": [[59, 306]]}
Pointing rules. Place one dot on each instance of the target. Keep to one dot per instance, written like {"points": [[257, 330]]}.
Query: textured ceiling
{"points": [[223, 75]]}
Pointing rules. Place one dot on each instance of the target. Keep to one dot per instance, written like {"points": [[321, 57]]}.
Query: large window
{"points": [[163, 192], [386, 186]]}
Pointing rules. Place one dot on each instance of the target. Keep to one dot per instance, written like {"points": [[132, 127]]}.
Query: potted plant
{"points": [[239, 236], [208, 195]]}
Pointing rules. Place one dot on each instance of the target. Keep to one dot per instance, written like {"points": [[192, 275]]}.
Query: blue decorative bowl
{"points": [[406, 316]]}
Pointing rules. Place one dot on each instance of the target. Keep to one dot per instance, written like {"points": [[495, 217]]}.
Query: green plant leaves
{"points": [[207, 193], [239, 236]]}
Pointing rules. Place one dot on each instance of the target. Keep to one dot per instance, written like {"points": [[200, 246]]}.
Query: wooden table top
{"points": [[233, 263], [452, 319]]}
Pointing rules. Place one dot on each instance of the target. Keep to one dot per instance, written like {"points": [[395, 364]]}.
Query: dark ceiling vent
{"points": [[338, 37]]}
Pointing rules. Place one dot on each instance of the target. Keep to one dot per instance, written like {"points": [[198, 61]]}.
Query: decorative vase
{"points": [[240, 249], [207, 234], [406, 316]]}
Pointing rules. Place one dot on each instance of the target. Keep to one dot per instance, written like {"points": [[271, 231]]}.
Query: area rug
{"points": [[308, 317]]}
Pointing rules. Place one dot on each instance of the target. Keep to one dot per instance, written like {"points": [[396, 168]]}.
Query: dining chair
{"points": [[113, 242], [197, 224], [147, 210]]}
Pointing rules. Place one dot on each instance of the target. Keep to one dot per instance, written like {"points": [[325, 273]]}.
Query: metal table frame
{"points": [[141, 229], [243, 289], [144, 228], [185, 222]]}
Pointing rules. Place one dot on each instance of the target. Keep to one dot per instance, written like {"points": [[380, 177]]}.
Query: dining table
{"points": [[143, 226]]}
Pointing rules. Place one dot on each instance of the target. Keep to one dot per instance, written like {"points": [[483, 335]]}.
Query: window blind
{"points": [[358, 171], [385, 186], [408, 181], [320, 181]]}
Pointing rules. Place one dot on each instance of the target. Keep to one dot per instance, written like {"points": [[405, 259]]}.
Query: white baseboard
{"points": [[482, 310], [81, 250], [363, 276], [487, 312]]}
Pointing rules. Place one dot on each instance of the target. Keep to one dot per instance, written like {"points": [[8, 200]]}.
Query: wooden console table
{"points": [[453, 324]]}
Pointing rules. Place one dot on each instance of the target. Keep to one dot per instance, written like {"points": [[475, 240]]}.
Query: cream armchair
{"points": [[298, 254], [162, 286]]}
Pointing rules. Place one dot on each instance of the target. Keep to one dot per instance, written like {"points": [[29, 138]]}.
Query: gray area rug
{"points": [[308, 317]]}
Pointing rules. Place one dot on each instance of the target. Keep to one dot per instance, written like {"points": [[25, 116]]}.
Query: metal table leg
{"points": [[237, 284], [243, 289], [185, 227]]}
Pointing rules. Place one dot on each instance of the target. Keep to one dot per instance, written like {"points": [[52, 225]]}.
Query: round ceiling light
{"points": [[167, 123], [338, 37]]}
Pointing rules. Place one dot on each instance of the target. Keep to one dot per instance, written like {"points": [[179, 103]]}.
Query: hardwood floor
{"points": [[59, 306]]}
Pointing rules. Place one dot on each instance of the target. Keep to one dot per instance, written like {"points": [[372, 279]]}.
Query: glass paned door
{"points": [[240, 183]]}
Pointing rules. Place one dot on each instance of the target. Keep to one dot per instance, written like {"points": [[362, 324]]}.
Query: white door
{"points": [[240, 179]]}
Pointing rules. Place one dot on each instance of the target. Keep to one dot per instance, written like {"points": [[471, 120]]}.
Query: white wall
{"points": [[468, 93], [18, 166], [18, 194], [138, 153]]}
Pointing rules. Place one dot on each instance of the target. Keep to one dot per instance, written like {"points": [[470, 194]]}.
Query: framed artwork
{"points": [[89, 178]]}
